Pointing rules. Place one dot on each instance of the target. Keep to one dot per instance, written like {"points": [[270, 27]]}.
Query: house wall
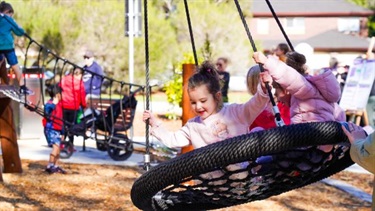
{"points": [[313, 26], [321, 59]]}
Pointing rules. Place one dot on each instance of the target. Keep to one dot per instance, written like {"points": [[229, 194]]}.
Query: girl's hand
{"points": [[259, 57], [356, 132], [265, 77], [147, 115]]}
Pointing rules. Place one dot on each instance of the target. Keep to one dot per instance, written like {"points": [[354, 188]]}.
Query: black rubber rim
{"points": [[235, 150]]}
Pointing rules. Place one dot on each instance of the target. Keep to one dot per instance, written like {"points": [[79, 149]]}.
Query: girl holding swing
{"points": [[214, 121]]}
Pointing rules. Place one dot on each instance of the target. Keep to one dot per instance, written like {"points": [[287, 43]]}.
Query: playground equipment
{"points": [[107, 122], [8, 136], [245, 168]]}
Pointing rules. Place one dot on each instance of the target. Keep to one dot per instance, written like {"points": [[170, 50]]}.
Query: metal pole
{"points": [[131, 39]]}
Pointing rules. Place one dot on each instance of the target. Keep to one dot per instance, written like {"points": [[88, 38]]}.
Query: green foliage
{"points": [[370, 4], [173, 90], [68, 28]]}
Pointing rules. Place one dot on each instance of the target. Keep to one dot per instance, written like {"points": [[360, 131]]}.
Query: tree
{"points": [[370, 4], [67, 28]]}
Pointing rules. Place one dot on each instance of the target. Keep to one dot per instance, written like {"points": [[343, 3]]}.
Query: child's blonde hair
{"points": [[252, 79]]}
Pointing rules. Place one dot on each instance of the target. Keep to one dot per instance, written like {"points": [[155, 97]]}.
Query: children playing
{"points": [[214, 121], [7, 26], [311, 99], [266, 119], [53, 126]]}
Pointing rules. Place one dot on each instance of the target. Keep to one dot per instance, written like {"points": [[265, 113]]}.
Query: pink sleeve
{"points": [[289, 79], [247, 112], [171, 139], [339, 113]]}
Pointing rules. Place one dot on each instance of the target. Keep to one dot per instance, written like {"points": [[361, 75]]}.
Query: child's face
{"points": [[8, 13], [89, 61], [202, 102], [283, 96]]}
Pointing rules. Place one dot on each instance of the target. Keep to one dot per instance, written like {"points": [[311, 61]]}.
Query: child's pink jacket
{"points": [[232, 120], [314, 98]]}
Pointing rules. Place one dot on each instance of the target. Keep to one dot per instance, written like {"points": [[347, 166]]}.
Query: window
{"points": [[295, 25], [348, 24], [262, 26]]}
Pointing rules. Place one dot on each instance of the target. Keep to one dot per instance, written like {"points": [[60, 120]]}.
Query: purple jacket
{"points": [[314, 98], [92, 79]]}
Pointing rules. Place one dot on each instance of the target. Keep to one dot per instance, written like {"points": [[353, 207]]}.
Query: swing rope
{"points": [[279, 121], [148, 89], [280, 25], [191, 32]]}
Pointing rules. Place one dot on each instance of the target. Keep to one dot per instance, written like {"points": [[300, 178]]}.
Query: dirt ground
{"points": [[105, 187]]}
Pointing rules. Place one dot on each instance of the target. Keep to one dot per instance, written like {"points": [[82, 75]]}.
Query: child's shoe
{"points": [[55, 169], [60, 170], [51, 169], [26, 91]]}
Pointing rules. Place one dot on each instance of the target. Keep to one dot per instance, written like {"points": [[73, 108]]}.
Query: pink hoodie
{"points": [[313, 98]]}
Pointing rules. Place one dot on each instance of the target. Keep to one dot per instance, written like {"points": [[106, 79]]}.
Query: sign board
{"points": [[358, 85]]}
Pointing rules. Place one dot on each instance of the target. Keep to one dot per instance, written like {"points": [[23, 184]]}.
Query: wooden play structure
{"points": [[8, 136]]}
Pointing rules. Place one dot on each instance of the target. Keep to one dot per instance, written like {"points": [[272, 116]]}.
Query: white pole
{"points": [[131, 47], [131, 40]]}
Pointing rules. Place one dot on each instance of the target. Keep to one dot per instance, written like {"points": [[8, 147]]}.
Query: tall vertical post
{"points": [[133, 28], [131, 38], [187, 113]]}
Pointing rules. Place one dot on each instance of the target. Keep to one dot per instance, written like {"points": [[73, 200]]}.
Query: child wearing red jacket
{"points": [[53, 127], [73, 98], [266, 119]]}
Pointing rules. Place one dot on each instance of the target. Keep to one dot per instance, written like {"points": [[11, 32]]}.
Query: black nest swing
{"points": [[230, 172], [245, 168]]}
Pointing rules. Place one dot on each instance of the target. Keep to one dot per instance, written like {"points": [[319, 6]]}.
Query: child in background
{"points": [[281, 50], [266, 119], [73, 98], [53, 126], [310, 98], [214, 121], [7, 26]]}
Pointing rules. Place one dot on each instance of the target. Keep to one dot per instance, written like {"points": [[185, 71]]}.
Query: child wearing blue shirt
{"points": [[7, 26]]}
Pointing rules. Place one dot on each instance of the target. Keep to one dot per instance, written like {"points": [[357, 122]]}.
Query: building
{"points": [[317, 28]]}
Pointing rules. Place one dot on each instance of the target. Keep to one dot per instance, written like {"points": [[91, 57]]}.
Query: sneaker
{"points": [[60, 170], [26, 91], [50, 169], [55, 169]]}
